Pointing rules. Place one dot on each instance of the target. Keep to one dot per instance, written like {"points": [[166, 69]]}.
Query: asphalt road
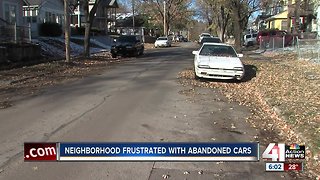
{"points": [[140, 100]]}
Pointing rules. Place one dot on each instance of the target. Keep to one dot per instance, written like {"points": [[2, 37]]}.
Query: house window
{"points": [[10, 13], [283, 24], [272, 24]]}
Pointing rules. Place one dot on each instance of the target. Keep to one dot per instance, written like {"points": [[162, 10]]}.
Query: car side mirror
{"points": [[240, 55], [195, 52]]}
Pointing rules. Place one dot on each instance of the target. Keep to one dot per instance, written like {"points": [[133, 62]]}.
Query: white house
{"points": [[36, 12]]}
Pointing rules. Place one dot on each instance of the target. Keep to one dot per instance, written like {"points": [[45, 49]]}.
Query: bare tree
{"points": [[89, 16], [176, 11], [221, 16], [241, 10]]}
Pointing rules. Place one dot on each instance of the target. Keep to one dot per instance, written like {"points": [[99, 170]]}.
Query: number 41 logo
{"points": [[274, 152]]}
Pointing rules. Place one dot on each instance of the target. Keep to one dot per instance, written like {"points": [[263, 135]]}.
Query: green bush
{"points": [[50, 29]]}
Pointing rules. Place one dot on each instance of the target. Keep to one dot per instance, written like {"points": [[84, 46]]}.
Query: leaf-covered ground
{"points": [[18, 83], [284, 96]]}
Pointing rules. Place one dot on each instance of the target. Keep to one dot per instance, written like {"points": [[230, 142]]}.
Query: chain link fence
{"points": [[309, 49], [15, 34], [277, 42]]}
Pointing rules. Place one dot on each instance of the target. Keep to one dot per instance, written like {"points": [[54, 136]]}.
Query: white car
{"points": [[204, 35], [162, 42], [250, 39], [218, 61]]}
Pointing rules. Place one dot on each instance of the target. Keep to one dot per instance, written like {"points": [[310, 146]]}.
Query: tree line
{"points": [[222, 16]]}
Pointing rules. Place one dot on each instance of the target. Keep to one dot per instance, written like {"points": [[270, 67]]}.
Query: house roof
{"points": [[34, 2], [109, 3], [282, 15]]}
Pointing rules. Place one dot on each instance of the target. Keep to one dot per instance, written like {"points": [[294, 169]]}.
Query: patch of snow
{"points": [[76, 49]]}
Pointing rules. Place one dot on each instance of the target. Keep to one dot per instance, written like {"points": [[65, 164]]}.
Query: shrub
{"points": [[77, 30], [50, 29]]}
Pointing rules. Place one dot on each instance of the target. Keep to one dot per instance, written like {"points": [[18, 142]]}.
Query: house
{"points": [[105, 17], [36, 12], [12, 29], [11, 12], [278, 21], [280, 13]]}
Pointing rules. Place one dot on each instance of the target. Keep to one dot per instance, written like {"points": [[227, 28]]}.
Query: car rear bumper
{"points": [[162, 45], [123, 51], [219, 73]]}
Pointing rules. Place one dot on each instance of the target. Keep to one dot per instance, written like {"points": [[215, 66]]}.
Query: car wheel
{"points": [[137, 53], [113, 55]]}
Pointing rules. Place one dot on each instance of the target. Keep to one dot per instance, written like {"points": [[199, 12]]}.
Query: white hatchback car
{"points": [[218, 61], [162, 42]]}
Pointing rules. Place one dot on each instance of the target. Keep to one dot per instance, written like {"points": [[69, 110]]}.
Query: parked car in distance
{"points": [[202, 35], [267, 34], [162, 42], [127, 45], [180, 38], [250, 39], [210, 40], [218, 61]]}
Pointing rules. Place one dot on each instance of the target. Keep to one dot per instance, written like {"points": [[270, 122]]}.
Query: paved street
{"points": [[140, 100]]}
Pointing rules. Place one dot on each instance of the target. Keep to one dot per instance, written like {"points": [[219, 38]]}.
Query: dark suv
{"points": [[127, 45]]}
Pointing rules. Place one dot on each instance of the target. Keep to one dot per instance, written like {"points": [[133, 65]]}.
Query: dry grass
{"points": [[284, 96]]}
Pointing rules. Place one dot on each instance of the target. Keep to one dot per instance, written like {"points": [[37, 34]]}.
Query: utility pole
{"points": [[133, 23], [164, 18], [67, 29]]}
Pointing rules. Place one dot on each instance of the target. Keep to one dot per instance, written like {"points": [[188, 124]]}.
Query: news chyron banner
{"points": [[141, 151]]}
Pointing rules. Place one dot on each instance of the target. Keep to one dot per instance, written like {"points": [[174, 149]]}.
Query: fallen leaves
{"points": [[29, 80], [282, 93]]}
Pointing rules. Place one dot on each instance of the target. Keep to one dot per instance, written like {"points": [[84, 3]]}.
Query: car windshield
{"points": [[127, 39], [213, 40], [162, 38], [217, 50]]}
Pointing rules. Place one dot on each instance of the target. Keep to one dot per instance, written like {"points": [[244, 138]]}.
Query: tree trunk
{"points": [[67, 29], [296, 16], [86, 41], [89, 17], [236, 27], [288, 16]]}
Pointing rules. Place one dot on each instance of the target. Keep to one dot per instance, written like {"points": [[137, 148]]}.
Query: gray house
{"points": [[105, 17], [12, 27], [11, 12], [36, 12]]}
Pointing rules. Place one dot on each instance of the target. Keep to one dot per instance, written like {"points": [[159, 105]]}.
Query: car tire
{"points": [[113, 55], [195, 75]]}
